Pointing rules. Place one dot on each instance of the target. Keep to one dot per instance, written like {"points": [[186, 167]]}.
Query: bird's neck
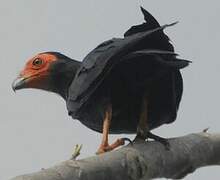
{"points": [[63, 79]]}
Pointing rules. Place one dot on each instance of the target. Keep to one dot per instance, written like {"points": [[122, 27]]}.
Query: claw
{"points": [[205, 130], [128, 140], [163, 141]]}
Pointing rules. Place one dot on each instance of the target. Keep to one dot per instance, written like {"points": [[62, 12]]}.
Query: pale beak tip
{"points": [[13, 89], [18, 83]]}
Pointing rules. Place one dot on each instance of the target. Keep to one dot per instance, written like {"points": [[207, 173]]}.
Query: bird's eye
{"points": [[37, 62]]}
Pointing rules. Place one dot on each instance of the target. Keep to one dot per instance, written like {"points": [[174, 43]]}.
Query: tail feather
{"points": [[170, 61], [149, 18], [151, 23]]}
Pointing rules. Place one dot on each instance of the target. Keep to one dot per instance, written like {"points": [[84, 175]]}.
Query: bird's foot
{"points": [[106, 147], [163, 141], [144, 136]]}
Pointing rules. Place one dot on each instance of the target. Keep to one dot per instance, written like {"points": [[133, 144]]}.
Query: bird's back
{"points": [[143, 46]]}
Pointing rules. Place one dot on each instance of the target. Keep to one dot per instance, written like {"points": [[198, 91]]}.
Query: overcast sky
{"points": [[35, 130]]}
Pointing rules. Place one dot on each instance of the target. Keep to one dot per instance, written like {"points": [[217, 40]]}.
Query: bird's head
{"points": [[49, 71]]}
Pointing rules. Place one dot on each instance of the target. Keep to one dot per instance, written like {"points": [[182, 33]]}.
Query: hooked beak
{"points": [[18, 83]]}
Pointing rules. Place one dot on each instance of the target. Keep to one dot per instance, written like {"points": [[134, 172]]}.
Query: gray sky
{"points": [[35, 129]]}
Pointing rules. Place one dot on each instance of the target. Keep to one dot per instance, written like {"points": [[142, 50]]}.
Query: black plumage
{"points": [[121, 71], [128, 83]]}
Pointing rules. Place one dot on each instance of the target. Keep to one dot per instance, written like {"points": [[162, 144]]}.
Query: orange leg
{"points": [[143, 131], [142, 128], [105, 147]]}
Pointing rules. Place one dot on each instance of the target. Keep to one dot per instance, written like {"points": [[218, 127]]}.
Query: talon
{"points": [[163, 141], [128, 140], [205, 130]]}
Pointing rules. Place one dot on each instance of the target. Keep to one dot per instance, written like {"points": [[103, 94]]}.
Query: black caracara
{"points": [[125, 85]]}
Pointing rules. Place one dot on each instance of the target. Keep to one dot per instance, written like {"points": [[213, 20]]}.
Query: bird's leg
{"points": [[105, 130], [142, 128], [143, 132], [104, 147]]}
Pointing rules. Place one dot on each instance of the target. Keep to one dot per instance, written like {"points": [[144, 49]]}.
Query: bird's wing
{"points": [[172, 61], [100, 61], [150, 23], [160, 38]]}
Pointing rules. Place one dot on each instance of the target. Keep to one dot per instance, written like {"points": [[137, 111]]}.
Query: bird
{"points": [[128, 85]]}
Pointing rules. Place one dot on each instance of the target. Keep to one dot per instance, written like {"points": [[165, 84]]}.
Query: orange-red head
{"points": [[50, 71]]}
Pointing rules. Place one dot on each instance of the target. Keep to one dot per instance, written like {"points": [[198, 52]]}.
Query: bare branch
{"points": [[142, 160]]}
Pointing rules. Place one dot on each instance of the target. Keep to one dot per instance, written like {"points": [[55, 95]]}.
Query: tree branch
{"points": [[142, 160]]}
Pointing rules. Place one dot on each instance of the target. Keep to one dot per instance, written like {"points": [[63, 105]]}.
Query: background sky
{"points": [[35, 130]]}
